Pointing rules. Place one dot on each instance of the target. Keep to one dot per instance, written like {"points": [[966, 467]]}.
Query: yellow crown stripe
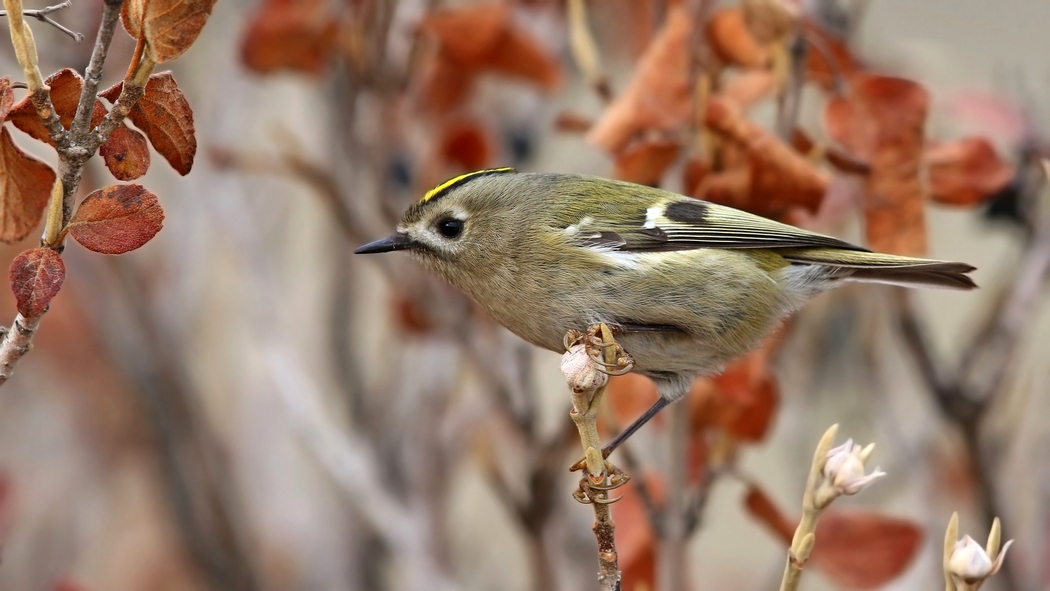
{"points": [[452, 182]]}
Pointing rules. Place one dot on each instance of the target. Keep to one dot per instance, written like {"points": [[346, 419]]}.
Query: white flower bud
{"points": [[844, 472], [970, 564], [581, 373]]}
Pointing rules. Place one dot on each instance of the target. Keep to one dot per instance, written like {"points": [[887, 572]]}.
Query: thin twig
{"points": [[93, 72], [789, 101], [16, 342], [41, 15], [585, 51]]}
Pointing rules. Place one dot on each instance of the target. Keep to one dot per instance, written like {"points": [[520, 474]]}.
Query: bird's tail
{"points": [[873, 267]]}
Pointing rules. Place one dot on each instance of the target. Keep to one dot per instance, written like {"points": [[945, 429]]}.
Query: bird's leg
{"points": [[637, 424]]}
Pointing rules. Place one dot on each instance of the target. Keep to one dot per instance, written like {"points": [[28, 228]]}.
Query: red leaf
{"points": [[645, 161], [36, 276], [864, 550], [25, 185], [65, 90], [464, 145], [659, 96], [828, 59], [881, 120], [125, 153], [297, 35], [168, 26], [165, 116], [762, 508], [117, 219], [966, 171]]}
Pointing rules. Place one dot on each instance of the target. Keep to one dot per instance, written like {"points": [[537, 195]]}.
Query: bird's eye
{"points": [[450, 228]]}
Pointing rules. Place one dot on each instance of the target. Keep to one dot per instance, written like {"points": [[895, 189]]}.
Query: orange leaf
{"points": [[864, 550], [761, 173], [627, 397], [25, 185], [446, 84], [290, 34], [117, 219], [828, 59], [125, 153], [732, 40], [881, 120], [966, 171], [165, 116], [659, 96], [645, 161], [742, 399], [484, 38], [762, 508], [465, 145], [36, 276], [168, 26], [65, 88]]}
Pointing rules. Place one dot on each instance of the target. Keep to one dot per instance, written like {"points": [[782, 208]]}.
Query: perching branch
{"points": [[16, 342]]}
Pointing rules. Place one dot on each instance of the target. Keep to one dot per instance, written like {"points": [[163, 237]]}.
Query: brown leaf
{"points": [[881, 121], [864, 550], [484, 39], [125, 153], [7, 97], [464, 145], [165, 116], [828, 59], [732, 41], [659, 96], [966, 171], [762, 508], [627, 397], [645, 161], [168, 26], [65, 87], [117, 219], [742, 400], [760, 173], [446, 84], [36, 276], [25, 185], [297, 35]]}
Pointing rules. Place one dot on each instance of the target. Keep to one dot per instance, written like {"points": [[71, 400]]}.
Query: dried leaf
{"points": [[881, 121], [748, 87], [828, 59], [659, 96], [117, 219], [464, 145], [65, 87], [760, 174], [165, 116], [446, 84], [570, 122], [627, 397], [36, 276], [742, 400], [297, 35], [732, 40], [484, 39], [762, 508], [864, 550], [645, 161], [7, 97], [26, 185], [125, 153], [966, 171], [168, 26]]}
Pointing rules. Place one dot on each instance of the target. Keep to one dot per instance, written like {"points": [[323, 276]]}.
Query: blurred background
{"points": [[243, 404]]}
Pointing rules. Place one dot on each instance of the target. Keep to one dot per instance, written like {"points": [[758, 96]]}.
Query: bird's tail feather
{"points": [[874, 267]]}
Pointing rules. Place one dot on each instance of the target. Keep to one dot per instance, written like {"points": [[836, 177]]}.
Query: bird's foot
{"points": [[596, 347], [594, 489]]}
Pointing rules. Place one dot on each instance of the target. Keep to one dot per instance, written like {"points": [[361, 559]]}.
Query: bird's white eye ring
{"points": [[450, 227]]}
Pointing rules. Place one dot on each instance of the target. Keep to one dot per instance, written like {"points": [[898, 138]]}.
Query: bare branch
{"points": [[93, 73], [42, 16], [16, 342]]}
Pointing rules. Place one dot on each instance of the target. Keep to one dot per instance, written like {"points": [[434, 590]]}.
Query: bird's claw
{"points": [[590, 491]]}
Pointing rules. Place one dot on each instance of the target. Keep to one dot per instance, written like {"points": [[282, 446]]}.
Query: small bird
{"points": [[687, 285]]}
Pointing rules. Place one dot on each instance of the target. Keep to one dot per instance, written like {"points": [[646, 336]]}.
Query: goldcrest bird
{"points": [[687, 285]]}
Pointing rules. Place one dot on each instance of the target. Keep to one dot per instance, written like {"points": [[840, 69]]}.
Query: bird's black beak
{"points": [[398, 241]]}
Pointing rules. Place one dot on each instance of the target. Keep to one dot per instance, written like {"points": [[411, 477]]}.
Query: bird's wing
{"points": [[680, 223]]}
